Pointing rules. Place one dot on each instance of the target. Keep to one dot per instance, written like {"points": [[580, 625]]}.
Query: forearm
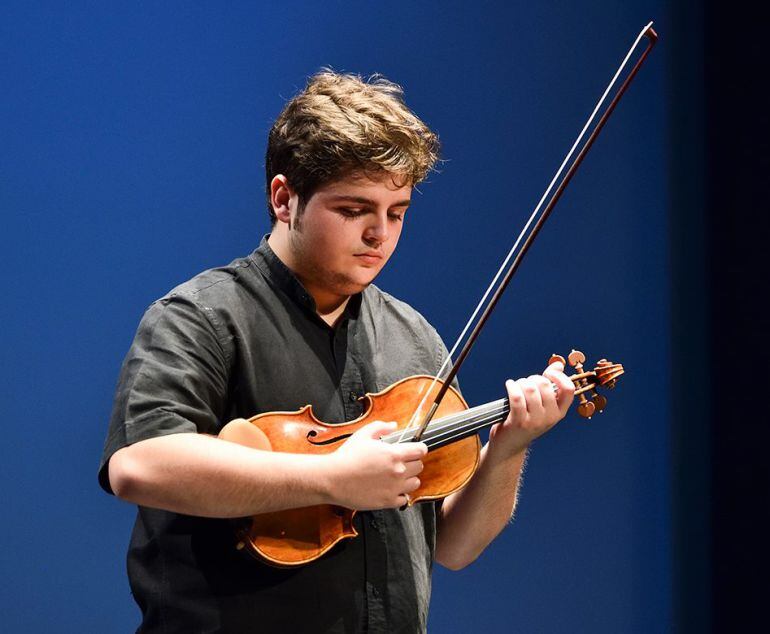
{"points": [[205, 476], [471, 518]]}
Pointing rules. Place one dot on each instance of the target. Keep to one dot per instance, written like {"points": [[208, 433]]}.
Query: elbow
{"points": [[455, 561], [123, 474]]}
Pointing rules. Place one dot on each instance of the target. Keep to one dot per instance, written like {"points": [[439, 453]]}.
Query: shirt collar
{"points": [[282, 277]]}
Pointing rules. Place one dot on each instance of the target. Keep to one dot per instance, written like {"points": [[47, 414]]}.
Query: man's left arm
{"points": [[472, 517]]}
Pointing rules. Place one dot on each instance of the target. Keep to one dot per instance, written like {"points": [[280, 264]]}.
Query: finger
{"points": [[377, 429], [413, 468], [556, 366], [408, 451], [517, 402], [402, 501], [556, 374], [566, 393], [410, 485], [565, 388], [547, 393], [532, 396]]}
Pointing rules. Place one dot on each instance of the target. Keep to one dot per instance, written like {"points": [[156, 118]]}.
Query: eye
{"points": [[351, 212], [396, 217]]}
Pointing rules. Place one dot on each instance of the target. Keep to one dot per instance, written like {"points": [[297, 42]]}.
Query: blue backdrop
{"points": [[132, 157]]}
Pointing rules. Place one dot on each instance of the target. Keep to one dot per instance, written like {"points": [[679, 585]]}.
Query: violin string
{"points": [[467, 428], [464, 431], [478, 422], [413, 419], [446, 429], [465, 414], [435, 427], [456, 421], [503, 402], [449, 420]]}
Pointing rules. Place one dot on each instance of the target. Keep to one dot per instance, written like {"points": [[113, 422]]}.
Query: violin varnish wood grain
{"points": [[299, 536]]}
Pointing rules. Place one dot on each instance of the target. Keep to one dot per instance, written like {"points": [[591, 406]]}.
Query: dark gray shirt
{"points": [[242, 340]]}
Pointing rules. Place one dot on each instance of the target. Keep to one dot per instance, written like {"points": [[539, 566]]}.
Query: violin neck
{"points": [[449, 429]]}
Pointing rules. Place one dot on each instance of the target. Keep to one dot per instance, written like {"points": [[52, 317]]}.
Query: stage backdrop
{"points": [[132, 143]]}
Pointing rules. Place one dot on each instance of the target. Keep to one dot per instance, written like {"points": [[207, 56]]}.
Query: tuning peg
{"points": [[605, 375], [576, 358], [557, 357], [586, 408], [598, 400]]}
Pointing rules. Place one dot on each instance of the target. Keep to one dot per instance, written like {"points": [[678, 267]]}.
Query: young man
{"points": [[299, 322]]}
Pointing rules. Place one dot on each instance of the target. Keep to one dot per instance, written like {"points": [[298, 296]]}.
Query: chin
{"points": [[357, 285], [365, 280]]}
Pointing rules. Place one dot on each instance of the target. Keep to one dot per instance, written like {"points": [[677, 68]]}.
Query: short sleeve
{"points": [[174, 378]]}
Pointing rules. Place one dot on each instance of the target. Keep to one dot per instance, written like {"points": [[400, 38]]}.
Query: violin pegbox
{"points": [[604, 375]]}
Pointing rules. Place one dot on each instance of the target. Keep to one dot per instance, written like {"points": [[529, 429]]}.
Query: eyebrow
{"points": [[366, 201]]}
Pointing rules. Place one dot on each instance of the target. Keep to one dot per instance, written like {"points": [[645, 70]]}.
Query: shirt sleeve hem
{"points": [[160, 422]]}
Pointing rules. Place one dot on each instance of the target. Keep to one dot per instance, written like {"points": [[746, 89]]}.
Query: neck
{"points": [[330, 311], [329, 306], [454, 427]]}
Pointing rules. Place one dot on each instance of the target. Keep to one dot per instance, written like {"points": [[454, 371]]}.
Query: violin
{"points": [[426, 409], [294, 537]]}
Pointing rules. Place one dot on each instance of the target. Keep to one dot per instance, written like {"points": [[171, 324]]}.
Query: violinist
{"points": [[298, 322]]}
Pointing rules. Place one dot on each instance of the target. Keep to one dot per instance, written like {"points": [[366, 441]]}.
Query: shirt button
{"points": [[374, 524], [375, 591], [353, 397]]}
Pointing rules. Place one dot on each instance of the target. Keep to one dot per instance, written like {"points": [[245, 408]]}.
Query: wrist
{"points": [[324, 474], [506, 445], [502, 450]]}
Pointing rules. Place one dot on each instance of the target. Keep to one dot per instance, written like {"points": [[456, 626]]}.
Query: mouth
{"points": [[370, 257]]}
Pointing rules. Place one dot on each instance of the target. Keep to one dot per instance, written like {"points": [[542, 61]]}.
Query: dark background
{"points": [[132, 141], [720, 133]]}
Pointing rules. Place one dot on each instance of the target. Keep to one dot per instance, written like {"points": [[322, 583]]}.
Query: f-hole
{"points": [[313, 433]]}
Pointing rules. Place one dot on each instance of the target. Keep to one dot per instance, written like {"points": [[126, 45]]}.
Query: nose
{"points": [[377, 230]]}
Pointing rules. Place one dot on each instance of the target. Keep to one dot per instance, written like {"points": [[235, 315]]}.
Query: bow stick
{"points": [[652, 37]]}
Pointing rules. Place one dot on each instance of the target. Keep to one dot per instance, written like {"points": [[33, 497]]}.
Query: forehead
{"points": [[378, 185]]}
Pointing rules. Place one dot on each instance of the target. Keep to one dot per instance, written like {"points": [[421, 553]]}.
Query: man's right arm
{"points": [[202, 475]]}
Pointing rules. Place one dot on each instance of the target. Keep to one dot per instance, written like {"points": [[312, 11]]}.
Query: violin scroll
{"points": [[605, 375]]}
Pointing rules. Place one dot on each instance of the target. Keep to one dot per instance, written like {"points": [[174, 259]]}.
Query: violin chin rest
{"points": [[243, 432]]}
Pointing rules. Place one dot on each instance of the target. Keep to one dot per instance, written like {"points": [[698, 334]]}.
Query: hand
{"points": [[535, 408], [366, 473]]}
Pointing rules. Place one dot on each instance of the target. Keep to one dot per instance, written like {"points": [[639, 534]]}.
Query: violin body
{"points": [[298, 536]]}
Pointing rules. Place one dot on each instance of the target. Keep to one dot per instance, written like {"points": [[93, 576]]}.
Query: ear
{"points": [[281, 195]]}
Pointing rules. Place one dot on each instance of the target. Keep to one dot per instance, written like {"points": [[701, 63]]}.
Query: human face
{"points": [[346, 233]]}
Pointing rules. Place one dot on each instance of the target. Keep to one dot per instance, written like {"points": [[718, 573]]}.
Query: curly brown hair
{"points": [[343, 124]]}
